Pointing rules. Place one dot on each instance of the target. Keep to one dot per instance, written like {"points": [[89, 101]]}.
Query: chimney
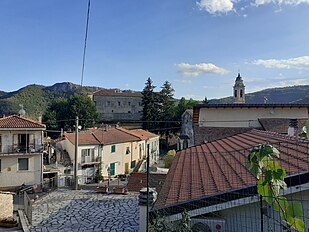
{"points": [[293, 127], [142, 201]]}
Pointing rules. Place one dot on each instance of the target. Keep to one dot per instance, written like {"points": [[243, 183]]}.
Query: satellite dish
{"points": [[304, 129]]}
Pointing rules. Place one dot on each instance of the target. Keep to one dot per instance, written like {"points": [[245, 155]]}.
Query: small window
{"points": [[128, 150], [132, 163], [129, 103], [235, 93], [129, 112], [108, 103], [241, 93], [23, 164], [119, 103], [113, 148]]}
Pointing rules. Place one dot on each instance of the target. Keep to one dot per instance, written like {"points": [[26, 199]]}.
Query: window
{"points": [[132, 163], [108, 103], [128, 150], [23, 164], [129, 103], [113, 148], [87, 155], [235, 93], [241, 93], [119, 103]]}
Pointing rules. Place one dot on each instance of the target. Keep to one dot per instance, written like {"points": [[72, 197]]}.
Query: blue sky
{"points": [[197, 45]]}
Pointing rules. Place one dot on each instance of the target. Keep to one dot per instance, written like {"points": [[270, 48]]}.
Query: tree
{"points": [[181, 108], [270, 181], [61, 113], [150, 106]]}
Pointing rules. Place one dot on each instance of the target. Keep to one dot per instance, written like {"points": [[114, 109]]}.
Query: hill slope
{"points": [[35, 98], [292, 94]]}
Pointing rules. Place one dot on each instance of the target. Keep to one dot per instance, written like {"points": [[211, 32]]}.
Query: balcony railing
{"points": [[21, 149]]}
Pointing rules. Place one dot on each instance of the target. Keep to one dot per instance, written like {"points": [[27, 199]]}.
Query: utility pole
{"points": [[76, 154], [147, 215]]}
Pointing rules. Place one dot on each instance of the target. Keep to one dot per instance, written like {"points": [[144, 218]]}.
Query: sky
{"points": [[199, 46]]}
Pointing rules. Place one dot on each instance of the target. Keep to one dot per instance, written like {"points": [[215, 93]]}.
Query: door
{"points": [[112, 169], [126, 168]]}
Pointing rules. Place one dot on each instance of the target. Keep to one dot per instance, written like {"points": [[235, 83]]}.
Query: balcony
{"points": [[88, 160], [10, 149]]}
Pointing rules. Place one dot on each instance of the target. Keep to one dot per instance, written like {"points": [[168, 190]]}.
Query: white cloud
{"points": [[216, 6], [301, 62], [186, 81], [281, 2], [193, 70]]}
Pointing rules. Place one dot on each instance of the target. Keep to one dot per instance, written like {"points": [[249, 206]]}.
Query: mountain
{"points": [[35, 98], [292, 94]]}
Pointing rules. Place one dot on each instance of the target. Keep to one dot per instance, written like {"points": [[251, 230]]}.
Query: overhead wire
{"points": [[85, 45]]}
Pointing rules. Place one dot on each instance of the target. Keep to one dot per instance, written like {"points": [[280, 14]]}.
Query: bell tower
{"points": [[239, 90]]}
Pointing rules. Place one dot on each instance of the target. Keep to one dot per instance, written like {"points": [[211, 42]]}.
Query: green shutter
{"points": [[112, 169], [113, 148], [132, 163]]}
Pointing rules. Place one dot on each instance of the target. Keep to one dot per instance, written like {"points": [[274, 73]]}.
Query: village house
{"points": [[210, 181], [21, 149], [117, 150], [117, 105]]}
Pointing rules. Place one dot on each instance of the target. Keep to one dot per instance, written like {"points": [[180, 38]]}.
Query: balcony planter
{"points": [[103, 189], [119, 190]]}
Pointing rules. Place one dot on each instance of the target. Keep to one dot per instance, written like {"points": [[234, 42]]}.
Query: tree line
{"points": [[161, 111]]}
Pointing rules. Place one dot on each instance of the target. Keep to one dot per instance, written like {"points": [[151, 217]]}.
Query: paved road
{"points": [[85, 210]]}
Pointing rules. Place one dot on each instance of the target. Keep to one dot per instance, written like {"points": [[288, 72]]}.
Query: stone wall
{"points": [[113, 108], [208, 134], [6, 205]]}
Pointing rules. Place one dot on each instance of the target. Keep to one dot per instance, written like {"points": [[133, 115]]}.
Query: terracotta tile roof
{"points": [[83, 139], [219, 166], [137, 181], [140, 133], [280, 125], [116, 92], [101, 136], [15, 121]]}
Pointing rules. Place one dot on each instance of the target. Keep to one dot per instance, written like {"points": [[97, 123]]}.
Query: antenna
{"points": [[22, 112]]}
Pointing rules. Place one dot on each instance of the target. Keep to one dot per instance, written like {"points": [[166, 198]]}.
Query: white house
{"points": [[117, 150], [21, 147]]}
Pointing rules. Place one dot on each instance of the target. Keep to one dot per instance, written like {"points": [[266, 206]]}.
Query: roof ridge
{"points": [[282, 136], [127, 132]]}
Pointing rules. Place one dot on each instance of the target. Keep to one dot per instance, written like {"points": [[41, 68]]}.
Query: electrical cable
{"points": [[85, 45]]}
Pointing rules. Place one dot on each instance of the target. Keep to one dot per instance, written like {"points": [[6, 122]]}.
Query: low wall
{"points": [[6, 205]]}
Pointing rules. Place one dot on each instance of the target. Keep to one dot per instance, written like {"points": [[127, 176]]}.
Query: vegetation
{"points": [[168, 158], [270, 180], [61, 113], [36, 98], [162, 225], [150, 106]]}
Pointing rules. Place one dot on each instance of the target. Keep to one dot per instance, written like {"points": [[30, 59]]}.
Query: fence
{"points": [[211, 186], [28, 207]]}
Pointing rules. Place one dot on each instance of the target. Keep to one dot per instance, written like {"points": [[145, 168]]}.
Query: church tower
{"points": [[239, 90]]}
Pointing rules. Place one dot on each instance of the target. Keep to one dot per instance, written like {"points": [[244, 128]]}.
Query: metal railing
{"points": [[28, 207]]}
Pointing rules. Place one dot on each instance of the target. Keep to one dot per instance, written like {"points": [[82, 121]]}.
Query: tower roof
{"points": [[238, 78]]}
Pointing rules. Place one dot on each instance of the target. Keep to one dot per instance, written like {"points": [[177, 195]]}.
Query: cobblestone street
{"points": [[84, 210]]}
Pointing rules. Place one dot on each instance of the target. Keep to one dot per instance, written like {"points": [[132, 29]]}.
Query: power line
{"points": [[85, 45]]}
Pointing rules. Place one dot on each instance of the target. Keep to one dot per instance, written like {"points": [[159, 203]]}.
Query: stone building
{"points": [[239, 90], [118, 105]]}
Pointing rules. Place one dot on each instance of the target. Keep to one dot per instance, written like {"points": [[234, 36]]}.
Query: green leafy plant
{"points": [[270, 180]]}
